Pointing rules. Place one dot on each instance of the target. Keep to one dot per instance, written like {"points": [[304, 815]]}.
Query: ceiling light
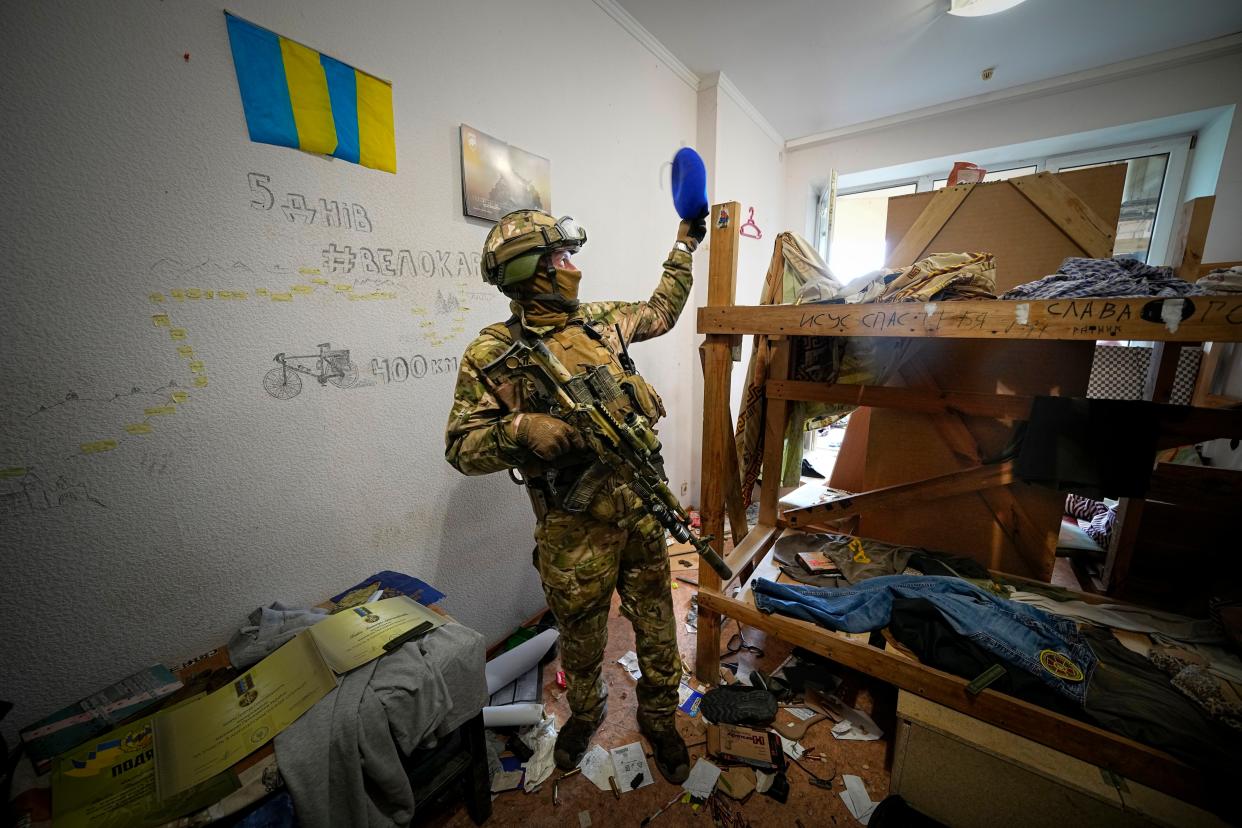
{"points": [[978, 8]]}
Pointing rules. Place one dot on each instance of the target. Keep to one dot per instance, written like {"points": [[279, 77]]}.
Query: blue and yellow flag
{"points": [[296, 97]]}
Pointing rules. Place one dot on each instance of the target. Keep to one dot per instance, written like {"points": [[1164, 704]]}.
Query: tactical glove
{"points": [[691, 233], [546, 436]]}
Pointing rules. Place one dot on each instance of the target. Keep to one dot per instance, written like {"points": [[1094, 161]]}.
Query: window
{"points": [[1150, 196], [858, 231], [1141, 209]]}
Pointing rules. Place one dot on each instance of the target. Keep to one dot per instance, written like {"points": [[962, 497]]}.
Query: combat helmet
{"points": [[512, 249]]}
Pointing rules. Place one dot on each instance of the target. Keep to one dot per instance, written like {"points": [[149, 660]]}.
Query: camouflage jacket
{"points": [[478, 439]]}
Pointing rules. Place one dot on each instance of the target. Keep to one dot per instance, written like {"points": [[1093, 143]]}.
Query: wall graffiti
{"points": [[402, 263], [330, 366], [24, 492], [399, 369], [297, 209]]}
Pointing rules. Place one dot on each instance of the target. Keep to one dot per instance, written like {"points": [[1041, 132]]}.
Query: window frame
{"points": [[1176, 147]]}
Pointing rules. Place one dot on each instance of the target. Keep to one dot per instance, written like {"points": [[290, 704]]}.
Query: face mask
{"points": [[545, 302]]}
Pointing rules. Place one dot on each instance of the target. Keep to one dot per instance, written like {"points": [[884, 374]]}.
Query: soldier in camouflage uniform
{"points": [[581, 556]]}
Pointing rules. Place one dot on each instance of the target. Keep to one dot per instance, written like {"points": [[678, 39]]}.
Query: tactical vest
{"points": [[578, 345]]}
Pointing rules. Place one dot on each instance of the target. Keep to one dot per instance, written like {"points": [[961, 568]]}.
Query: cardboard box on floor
{"points": [[757, 748]]}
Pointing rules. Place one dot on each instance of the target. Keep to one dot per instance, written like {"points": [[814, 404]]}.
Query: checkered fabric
{"points": [[1119, 373]]}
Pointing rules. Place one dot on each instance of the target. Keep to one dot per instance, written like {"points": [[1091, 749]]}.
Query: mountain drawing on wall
{"points": [[30, 494], [171, 269], [446, 303]]}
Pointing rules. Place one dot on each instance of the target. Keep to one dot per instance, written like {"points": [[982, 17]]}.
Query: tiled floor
{"points": [[807, 805]]}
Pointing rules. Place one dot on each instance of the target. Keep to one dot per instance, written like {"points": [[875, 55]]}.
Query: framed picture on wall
{"points": [[497, 178]]}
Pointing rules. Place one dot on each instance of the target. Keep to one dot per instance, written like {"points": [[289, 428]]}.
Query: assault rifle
{"points": [[621, 438]]}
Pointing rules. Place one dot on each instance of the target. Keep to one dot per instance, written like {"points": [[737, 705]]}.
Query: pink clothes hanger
{"points": [[750, 225]]}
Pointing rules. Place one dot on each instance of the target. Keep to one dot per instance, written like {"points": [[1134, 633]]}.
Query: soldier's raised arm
{"points": [[657, 315]]}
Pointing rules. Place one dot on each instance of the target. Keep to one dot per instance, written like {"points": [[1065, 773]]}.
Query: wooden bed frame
{"points": [[1197, 319]]}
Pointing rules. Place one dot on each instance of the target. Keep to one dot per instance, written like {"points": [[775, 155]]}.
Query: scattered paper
{"points": [[524, 688], [512, 715], [630, 662], [630, 765], [763, 781], [507, 666], [540, 738], [856, 798], [792, 749], [702, 779], [584, 819], [506, 781], [688, 699], [597, 766], [801, 713], [854, 725]]}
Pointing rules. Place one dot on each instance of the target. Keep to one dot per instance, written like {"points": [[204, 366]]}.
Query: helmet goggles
{"points": [[564, 233]]}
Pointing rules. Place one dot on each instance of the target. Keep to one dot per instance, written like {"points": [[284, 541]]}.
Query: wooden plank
{"points": [[1200, 488], [1207, 373], [722, 254], [933, 488], [741, 559], [1121, 545], [942, 207], [1190, 236], [1181, 425], [1203, 318], [1002, 406], [775, 416], [1036, 544], [1126, 757], [998, 219], [717, 375], [1161, 371], [1073, 216], [735, 507]]}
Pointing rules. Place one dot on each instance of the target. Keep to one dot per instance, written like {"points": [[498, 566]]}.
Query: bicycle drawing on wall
{"points": [[329, 366]]}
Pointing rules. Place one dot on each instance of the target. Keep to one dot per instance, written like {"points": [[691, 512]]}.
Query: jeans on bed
{"points": [[1043, 645]]}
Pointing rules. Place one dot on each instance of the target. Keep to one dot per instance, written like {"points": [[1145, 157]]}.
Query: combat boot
{"points": [[671, 756], [572, 742]]}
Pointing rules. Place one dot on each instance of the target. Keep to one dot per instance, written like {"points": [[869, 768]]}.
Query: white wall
{"points": [[1163, 92], [745, 161], [126, 167]]}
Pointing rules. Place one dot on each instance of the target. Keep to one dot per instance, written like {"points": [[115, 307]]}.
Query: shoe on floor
{"points": [[572, 742], [671, 757], [809, 471], [739, 704]]}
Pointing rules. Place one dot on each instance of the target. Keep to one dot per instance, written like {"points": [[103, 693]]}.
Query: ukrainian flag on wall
{"points": [[296, 97]]}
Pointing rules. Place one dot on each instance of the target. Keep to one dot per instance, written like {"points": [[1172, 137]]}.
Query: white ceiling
{"points": [[811, 66]]}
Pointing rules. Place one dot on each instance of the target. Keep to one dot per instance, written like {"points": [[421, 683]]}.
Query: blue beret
{"points": [[689, 185]]}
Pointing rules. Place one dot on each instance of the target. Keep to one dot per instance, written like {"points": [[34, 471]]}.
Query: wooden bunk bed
{"points": [[1186, 320]]}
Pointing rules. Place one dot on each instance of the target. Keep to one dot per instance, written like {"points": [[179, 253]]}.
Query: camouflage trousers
{"points": [[581, 559]]}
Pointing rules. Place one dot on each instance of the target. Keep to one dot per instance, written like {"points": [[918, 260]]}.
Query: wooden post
{"points": [[1190, 235], [717, 372], [775, 416]]}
